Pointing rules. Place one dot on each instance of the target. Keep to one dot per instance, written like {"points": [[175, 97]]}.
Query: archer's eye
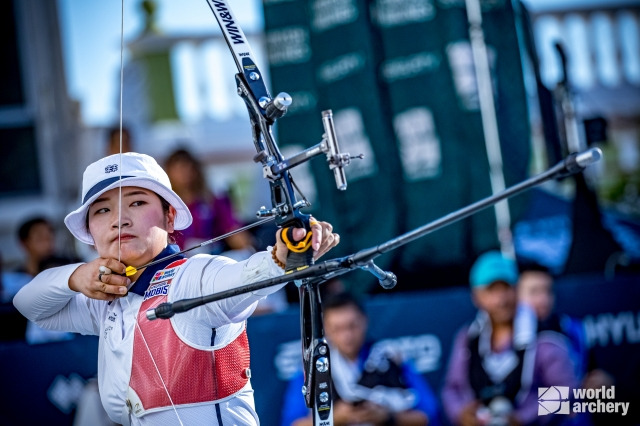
{"points": [[101, 211], [138, 203]]}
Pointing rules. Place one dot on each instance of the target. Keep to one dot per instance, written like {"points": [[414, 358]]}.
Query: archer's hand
{"points": [[87, 279], [322, 239]]}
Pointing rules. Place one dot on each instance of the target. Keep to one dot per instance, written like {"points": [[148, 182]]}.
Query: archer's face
{"points": [[144, 225]]}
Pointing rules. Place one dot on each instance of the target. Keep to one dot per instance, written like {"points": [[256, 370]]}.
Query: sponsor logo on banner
{"points": [[288, 46], [564, 400], [305, 102], [391, 13], [410, 66], [353, 138], [341, 67], [460, 57], [328, 14], [485, 4], [612, 328], [419, 145], [424, 351]]}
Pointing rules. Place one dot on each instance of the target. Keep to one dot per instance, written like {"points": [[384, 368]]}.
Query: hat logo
{"points": [[111, 168]]}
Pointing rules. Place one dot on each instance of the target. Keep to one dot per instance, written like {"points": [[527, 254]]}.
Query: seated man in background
{"points": [[498, 362], [535, 291], [38, 241], [371, 386]]}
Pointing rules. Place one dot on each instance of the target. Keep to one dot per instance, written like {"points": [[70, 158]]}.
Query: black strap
{"points": [[219, 414]]}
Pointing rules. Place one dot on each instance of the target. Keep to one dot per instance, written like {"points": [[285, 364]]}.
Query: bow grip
{"points": [[300, 253]]}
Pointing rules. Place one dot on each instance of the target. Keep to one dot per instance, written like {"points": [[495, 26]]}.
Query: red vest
{"points": [[191, 375]]}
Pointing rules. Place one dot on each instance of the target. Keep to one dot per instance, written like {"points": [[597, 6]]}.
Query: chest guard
{"points": [[191, 375]]}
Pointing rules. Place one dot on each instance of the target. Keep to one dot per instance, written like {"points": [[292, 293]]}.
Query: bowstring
{"points": [[166, 390]]}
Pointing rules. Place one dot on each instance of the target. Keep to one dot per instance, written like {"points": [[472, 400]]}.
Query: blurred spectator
{"points": [[535, 289], [371, 385], [498, 362], [37, 238], [212, 215], [113, 140]]}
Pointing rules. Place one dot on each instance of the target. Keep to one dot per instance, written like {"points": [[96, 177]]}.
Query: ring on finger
{"points": [[103, 270]]}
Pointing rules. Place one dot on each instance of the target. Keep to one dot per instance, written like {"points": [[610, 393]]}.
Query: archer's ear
{"points": [[171, 219]]}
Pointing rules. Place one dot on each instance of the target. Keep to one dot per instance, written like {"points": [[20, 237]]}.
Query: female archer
{"points": [[190, 369]]}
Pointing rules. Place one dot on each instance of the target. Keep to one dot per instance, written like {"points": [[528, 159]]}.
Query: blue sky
{"points": [[90, 31]]}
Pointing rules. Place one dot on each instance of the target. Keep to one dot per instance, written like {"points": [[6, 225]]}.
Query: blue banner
{"points": [[42, 383]]}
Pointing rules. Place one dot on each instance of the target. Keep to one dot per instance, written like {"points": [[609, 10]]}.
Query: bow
{"points": [[263, 111]]}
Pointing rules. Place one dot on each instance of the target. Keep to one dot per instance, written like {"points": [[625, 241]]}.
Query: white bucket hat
{"points": [[137, 170]]}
